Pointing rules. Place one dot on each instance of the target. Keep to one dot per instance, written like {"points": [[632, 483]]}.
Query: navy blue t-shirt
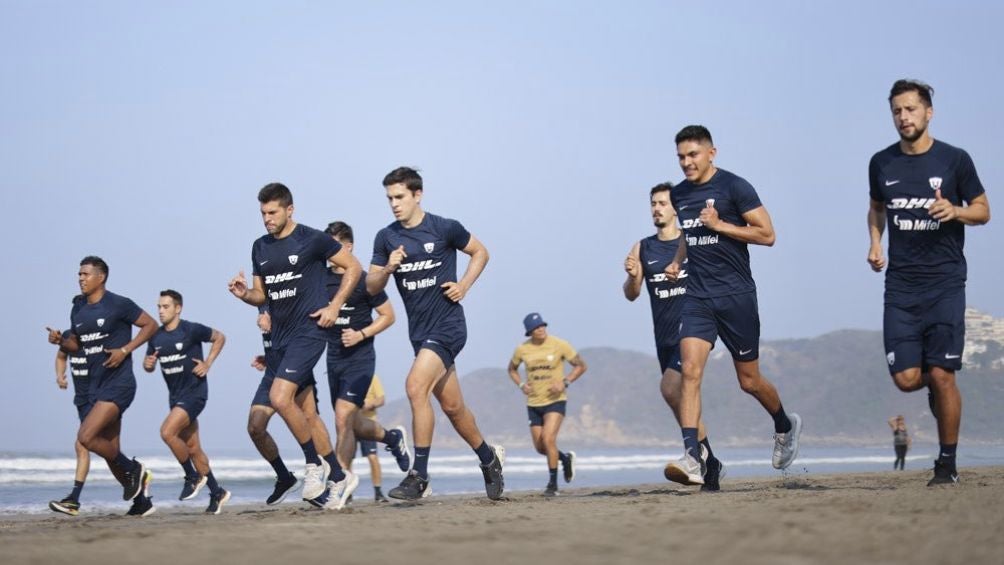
{"points": [[719, 265], [356, 314], [106, 324], [78, 372], [924, 254], [665, 296], [294, 270], [431, 262], [176, 351]]}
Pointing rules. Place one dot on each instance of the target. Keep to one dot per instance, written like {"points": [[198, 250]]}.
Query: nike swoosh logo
{"points": [[947, 356], [432, 341], [290, 371], [891, 182], [80, 324], [650, 262], [741, 352], [262, 263], [683, 207], [351, 394]]}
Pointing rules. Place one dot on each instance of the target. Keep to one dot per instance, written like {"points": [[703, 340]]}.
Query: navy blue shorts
{"points": [[446, 347], [930, 333], [261, 395], [296, 361], [83, 410], [735, 319], [349, 378], [536, 413], [669, 357], [121, 390], [367, 447], [192, 403]]}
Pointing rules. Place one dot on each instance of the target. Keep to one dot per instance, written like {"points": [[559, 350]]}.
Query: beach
{"points": [[880, 517]]}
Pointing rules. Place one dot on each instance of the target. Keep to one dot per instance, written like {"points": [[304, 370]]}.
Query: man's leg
{"points": [[285, 482], [426, 371], [217, 494], [690, 469], [549, 437], [175, 431], [948, 405], [99, 433]]}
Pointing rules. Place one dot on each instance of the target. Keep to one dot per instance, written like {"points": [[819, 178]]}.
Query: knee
{"points": [[908, 381], [166, 434], [256, 431], [942, 379], [279, 401], [749, 383], [86, 439], [691, 373], [550, 442], [453, 410]]}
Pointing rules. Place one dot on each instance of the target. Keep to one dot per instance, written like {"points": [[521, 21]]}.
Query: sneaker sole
{"points": [[404, 447], [425, 494], [796, 428], [678, 475], [198, 488], [57, 507]]}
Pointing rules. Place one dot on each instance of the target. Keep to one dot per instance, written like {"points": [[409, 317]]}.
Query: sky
{"points": [[141, 132]]}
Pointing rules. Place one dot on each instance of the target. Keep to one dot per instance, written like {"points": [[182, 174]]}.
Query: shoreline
{"points": [[890, 517]]}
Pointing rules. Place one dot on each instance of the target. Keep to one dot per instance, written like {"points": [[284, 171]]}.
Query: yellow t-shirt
{"points": [[545, 365], [376, 389]]}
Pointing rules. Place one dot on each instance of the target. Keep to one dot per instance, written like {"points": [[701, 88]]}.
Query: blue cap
{"points": [[533, 321]]}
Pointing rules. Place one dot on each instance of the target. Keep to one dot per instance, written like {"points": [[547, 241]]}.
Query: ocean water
{"points": [[29, 481]]}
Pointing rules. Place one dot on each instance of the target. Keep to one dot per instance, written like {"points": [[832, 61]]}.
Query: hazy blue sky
{"points": [[141, 132]]}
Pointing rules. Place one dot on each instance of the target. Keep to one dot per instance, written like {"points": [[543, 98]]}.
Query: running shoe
{"points": [[216, 501], [943, 474], [686, 471], [340, 492], [133, 482], [192, 487], [786, 444], [66, 506], [413, 487], [315, 479], [551, 490], [400, 448], [494, 482], [283, 486], [568, 466], [715, 471], [143, 505]]}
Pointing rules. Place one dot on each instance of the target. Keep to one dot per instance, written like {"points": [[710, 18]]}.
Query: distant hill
{"points": [[838, 382]]}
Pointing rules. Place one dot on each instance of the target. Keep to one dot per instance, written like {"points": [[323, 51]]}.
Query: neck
{"points": [[668, 232], [707, 176], [414, 220], [96, 296], [290, 226], [173, 324], [920, 145], [536, 341]]}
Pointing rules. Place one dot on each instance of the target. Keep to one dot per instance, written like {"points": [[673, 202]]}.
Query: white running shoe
{"points": [[339, 493], [314, 479], [786, 445], [686, 471]]}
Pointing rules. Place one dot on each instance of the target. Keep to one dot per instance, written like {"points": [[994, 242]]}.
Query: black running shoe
{"points": [[192, 487], [714, 473], [494, 482], [400, 448], [216, 501], [568, 466], [133, 483], [141, 506], [413, 487], [551, 490], [943, 474], [379, 498], [66, 506], [283, 486]]}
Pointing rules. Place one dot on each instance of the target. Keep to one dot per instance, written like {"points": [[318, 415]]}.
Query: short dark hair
{"points": [[404, 175], [276, 191], [924, 90], [694, 133], [661, 187], [96, 262], [173, 295], [340, 230]]}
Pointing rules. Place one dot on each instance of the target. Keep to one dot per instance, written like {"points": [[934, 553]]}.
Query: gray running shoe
{"points": [[340, 492], [413, 487], [786, 444], [551, 490], [686, 470], [400, 450], [494, 482], [314, 480]]}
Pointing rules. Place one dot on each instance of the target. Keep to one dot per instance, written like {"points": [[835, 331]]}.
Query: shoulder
{"points": [[885, 155], [950, 153]]}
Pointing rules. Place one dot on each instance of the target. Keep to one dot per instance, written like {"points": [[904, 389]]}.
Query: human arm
{"points": [[456, 291], [976, 213], [343, 259], [758, 231], [876, 226], [514, 375], [61, 369], [255, 295], [384, 319], [217, 339], [147, 327], [635, 277]]}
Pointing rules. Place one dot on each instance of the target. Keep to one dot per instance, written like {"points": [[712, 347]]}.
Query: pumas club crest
{"points": [[293, 259], [935, 183], [429, 247]]}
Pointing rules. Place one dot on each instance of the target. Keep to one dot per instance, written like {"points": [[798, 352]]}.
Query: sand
{"points": [[851, 518]]}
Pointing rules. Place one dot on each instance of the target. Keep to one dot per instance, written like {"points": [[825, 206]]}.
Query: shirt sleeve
{"points": [[456, 235], [326, 245], [745, 196], [202, 333], [380, 249], [130, 311], [969, 182], [517, 356], [255, 267], [567, 351], [377, 299], [874, 189]]}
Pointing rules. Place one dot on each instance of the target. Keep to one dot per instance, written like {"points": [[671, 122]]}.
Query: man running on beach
{"points": [[289, 268], [78, 371], [546, 392], [101, 329], [720, 214], [375, 398], [351, 363], [927, 191], [420, 249], [177, 345], [646, 263]]}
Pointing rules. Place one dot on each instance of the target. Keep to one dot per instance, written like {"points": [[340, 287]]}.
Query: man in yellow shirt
{"points": [[545, 388]]}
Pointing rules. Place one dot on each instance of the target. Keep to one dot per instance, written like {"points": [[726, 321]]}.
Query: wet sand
{"points": [[866, 518]]}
